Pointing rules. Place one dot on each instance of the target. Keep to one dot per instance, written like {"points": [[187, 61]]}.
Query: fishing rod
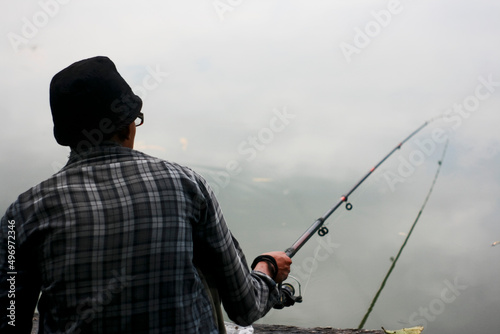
{"points": [[287, 291], [393, 265], [317, 226]]}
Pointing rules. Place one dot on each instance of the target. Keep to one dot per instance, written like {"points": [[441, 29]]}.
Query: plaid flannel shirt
{"points": [[111, 242]]}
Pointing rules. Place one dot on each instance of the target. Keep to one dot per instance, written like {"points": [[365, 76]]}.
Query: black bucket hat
{"points": [[90, 101]]}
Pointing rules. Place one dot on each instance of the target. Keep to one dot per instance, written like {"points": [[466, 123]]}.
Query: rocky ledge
{"points": [[277, 329]]}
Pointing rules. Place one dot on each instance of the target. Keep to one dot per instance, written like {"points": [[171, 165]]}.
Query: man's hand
{"points": [[283, 262]]}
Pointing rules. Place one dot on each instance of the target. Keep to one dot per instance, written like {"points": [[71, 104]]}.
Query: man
{"points": [[119, 241]]}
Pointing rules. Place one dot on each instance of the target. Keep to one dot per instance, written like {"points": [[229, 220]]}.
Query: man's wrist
{"points": [[266, 264]]}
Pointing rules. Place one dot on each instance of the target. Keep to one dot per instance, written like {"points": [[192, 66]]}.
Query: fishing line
{"points": [[440, 162]]}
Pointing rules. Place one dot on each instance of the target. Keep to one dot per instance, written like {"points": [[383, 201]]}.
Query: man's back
{"points": [[113, 233]]}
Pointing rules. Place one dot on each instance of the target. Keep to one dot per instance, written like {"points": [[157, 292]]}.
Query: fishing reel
{"points": [[287, 295]]}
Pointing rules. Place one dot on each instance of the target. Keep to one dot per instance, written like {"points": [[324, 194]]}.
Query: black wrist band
{"points": [[268, 259]]}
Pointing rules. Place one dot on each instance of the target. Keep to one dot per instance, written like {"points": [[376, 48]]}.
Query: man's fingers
{"points": [[283, 261]]}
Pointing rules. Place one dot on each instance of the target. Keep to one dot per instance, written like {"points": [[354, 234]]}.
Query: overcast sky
{"points": [[282, 106]]}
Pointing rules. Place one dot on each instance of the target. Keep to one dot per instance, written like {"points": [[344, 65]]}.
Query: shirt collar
{"points": [[105, 146]]}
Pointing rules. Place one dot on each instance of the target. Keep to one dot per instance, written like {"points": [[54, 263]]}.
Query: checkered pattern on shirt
{"points": [[111, 240]]}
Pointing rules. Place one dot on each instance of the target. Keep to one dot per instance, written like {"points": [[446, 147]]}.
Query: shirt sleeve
{"points": [[19, 283], [246, 295]]}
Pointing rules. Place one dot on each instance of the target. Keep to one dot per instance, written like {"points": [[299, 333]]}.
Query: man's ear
{"points": [[129, 136], [126, 136]]}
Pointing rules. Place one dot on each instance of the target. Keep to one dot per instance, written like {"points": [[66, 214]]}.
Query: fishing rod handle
{"points": [[290, 252]]}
